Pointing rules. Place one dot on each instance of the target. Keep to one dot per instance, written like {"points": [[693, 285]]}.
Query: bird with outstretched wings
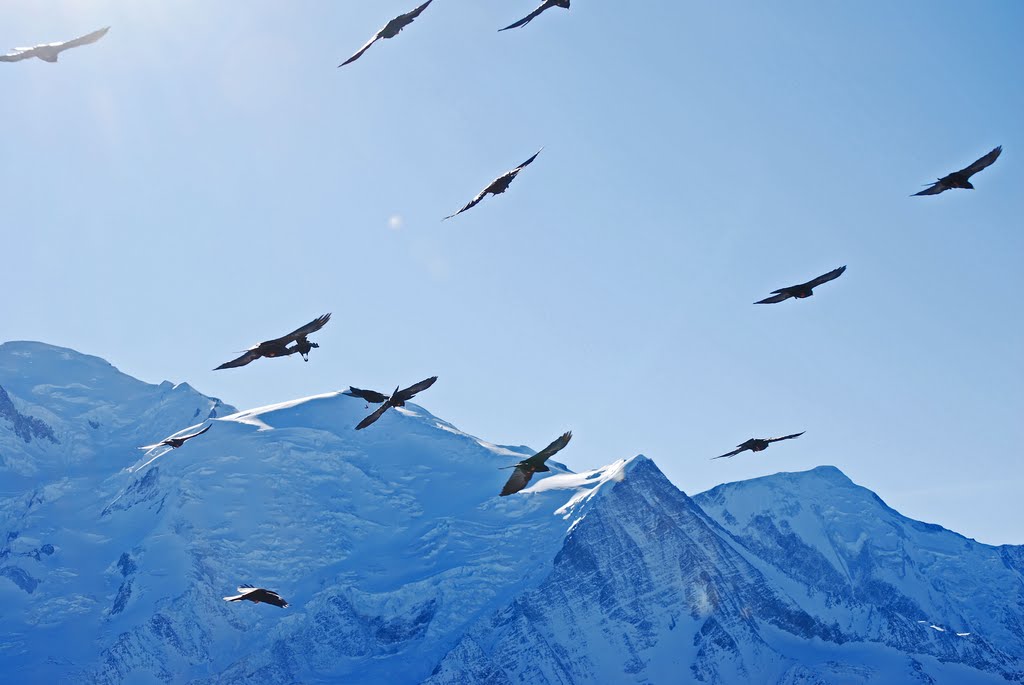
{"points": [[757, 444], [281, 347], [525, 469], [397, 399], [497, 186], [49, 52], [257, 595], [176, 442], [390, 30], [804, 289], [546, 5], [961, 179]]}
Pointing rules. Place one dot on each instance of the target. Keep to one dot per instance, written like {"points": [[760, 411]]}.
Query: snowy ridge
{"points": [[402, 565]]}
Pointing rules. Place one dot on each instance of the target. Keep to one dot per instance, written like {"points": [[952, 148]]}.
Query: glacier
{"points": [[402, 565]]}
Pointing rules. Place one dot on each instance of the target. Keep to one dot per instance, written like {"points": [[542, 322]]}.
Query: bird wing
{"points": [[474, 202], [189, 437], [529, 17], [526, 163], [410, 392], [782, 295], [786, 437], [84, 40], [374, 416], [270, 597], [250, 355], [934, 189], [983, 162], [368, 395], [416, 12], [733, 453], [18, 55], [301, 332], [555, 447], [825, 278], [519, 479], [360, 51]]}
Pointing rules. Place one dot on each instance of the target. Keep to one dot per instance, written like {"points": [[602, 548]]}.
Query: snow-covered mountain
{"points": [[402, 565]]}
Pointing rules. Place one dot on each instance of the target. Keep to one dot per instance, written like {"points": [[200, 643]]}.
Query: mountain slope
{"points": [[402, 565], [881, 577]]}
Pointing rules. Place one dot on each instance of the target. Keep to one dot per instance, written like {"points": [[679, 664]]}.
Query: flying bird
{"points": [[398, 399], [257, 595], [546, 5], [803, 290], [390, 30], [177, 442], [525, 469], [497, 186], [757, 444], [961, 179], [279, 347], [49, 52]]}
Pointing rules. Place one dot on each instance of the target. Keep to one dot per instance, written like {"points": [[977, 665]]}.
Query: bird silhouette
{"points": [[49, 52], [179, 441], [546, 5], [961, 179], [281, 347], [497, 186], [757, 444], [390, 30], [397, 399], [525, 469], [257, 595], [803, 290]]}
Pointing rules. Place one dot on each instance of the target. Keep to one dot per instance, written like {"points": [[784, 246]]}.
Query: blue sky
{"points": [[205, 177]]}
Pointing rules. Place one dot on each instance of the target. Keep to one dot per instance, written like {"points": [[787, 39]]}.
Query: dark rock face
{"points": [[20, 577], [25, 427]]}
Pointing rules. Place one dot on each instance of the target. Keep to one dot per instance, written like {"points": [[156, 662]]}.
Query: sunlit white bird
{"points": [[49, 52]]}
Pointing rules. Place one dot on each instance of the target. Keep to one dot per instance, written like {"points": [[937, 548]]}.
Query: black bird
{"points": [[179, 441], [497, 186], [803, 290], [546, 5], [257, 595], [279, 347], [961, 179], [525, 469], [49, 52], [398, 399], [758, 444], [390, 30]]}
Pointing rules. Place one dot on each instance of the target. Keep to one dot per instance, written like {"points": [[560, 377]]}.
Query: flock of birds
{"points": [[298, 342]]}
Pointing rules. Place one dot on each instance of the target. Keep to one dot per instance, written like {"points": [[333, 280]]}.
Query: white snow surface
{"points": [[402, 565]]}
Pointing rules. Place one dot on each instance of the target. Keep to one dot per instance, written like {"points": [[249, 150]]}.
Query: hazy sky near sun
{"points": [[204, 178]]}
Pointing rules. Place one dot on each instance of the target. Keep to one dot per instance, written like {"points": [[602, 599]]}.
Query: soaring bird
{"points": [[49, 52], [757, 444], [803, 290], [279, 347], [398, 399], [961, 179], [525, 469], [177, 442], [257, 595], [546, 5], [390, 30], [497, 186]]}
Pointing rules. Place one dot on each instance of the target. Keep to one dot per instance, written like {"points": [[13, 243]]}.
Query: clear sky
{"points": [[204, 178]]}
